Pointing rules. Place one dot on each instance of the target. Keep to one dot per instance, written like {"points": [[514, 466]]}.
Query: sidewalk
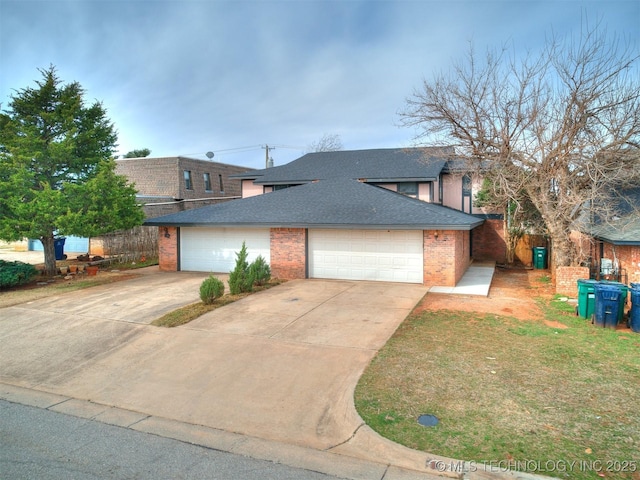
{"points": [[475, 281]]}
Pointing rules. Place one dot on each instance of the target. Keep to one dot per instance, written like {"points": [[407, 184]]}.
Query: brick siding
{"points": [[628, 257], [446, 256], [488, 241], [567, 280], [165, 177], [168, 248], [288, 253]]}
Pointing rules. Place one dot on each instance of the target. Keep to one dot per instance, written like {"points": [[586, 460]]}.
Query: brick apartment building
{"points": [[172, 184]]}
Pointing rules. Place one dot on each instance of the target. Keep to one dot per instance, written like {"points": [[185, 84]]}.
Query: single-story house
{"points": [[386, 215]]}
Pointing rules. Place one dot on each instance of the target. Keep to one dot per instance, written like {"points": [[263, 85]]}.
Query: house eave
{"points": [[617, 242], [332, 226], [399, 179]]}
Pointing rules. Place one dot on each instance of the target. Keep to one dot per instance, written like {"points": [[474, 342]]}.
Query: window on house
{"points": [[466, 186], [283, 186], [207, 182], [221, 185], [408, 188], [188, 184]]}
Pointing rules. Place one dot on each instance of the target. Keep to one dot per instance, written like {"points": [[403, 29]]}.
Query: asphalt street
{"points": [[42, 444]]}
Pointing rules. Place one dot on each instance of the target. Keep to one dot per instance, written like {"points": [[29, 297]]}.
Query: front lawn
{"points": [[511, 392]]}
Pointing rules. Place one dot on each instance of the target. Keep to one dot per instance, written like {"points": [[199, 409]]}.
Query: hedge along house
{"points": [[366, 217]]}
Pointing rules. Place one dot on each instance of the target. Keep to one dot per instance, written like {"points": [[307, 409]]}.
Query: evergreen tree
{"points": [[57, 176]]}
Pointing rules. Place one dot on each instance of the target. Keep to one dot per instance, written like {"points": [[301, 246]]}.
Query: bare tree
{"points": [[328, 143], [559, 130]]}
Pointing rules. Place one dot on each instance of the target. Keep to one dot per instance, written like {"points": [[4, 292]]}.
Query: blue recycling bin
{"points": [[634, 314], [58, 245], [609, 303], [624, 290]]}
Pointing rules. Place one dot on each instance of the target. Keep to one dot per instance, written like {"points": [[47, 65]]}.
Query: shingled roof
{"points": [[334, 203], [378, 165], [625, 228]]}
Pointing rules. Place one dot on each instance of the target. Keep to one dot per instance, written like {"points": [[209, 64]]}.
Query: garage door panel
{"points": [[366, 255], [214, 249]]}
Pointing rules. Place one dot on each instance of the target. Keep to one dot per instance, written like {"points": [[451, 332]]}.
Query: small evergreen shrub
{"points": [[240, 279], [260, 271], [13, 274], [210, 289]]}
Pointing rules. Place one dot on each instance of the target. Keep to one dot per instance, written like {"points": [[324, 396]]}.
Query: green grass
{"points": [[509, 390], [190, 312]]}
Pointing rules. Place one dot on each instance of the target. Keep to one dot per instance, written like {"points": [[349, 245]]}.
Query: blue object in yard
{"points": [[58, 245], [608, 302], [623, 301], [634, 314]]}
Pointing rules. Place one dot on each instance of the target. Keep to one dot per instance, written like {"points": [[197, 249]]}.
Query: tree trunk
{"points": [[562, 248], [50, 267]]}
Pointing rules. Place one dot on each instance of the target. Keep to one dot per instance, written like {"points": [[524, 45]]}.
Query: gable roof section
{"points": [[625, 230], [378, 165], [336, 203]]}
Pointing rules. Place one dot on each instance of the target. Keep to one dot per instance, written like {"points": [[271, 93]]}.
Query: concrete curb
{"points": [[291, 455]]}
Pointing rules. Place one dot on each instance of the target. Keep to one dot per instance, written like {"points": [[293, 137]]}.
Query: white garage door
{"points": [[390, 256], [214, 249]]}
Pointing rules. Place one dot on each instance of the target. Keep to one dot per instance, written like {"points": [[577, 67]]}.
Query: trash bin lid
{"points": [[607, 287]]}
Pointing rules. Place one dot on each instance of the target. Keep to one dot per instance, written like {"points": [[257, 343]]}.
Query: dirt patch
{"points": [[513, 293]]}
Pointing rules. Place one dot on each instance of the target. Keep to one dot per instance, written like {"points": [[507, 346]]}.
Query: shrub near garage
{"points": [[260, 271], [13, 274], [211, 289], [240, 279]]}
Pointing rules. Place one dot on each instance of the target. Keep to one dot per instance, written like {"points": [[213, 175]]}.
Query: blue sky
{"points": [[183, 77]]}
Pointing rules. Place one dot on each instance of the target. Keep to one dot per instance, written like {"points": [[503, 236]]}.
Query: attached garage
{"points": [[214, 249], [379, 255], [333, 229]]}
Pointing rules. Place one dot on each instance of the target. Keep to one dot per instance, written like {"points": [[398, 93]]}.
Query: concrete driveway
{"points": [[281, 364]]}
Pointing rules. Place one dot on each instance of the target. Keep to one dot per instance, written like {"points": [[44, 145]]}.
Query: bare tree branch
{"points": [[560, 130]]}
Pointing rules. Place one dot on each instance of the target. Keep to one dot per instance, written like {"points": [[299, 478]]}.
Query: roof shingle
{"points": [[335, 203], [377, 165]]}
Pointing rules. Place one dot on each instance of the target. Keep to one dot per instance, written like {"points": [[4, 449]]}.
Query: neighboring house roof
{"points": [[624, 229], [378, 165], [335, 203]]}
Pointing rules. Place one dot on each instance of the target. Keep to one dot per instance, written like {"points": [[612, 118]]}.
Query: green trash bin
{"points": [[540, 258], [586, 298]]}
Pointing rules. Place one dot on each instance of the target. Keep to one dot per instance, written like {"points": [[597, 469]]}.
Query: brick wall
{"points": [[446, 256], [165, 177], [567, 280], [168, 248], [221, 184], [488, 241], [628, 257], [151, 176], [288, 253]]}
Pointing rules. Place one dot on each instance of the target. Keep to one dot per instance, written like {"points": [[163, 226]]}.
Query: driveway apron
{"points": [[281, 364]]}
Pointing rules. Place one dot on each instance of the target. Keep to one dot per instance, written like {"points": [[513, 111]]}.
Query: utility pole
{"points": [[266, 158]]}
